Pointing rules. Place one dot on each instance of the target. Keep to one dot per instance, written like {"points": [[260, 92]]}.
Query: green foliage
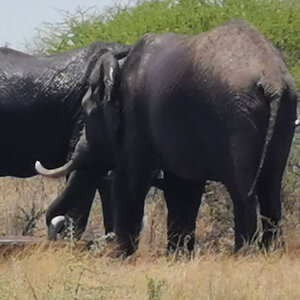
{"points": [[278, 20], [295, 71], [154, 289]]}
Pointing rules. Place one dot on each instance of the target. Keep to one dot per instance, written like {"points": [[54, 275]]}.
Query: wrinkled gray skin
{"points": [[217, 106], [41, 118]]}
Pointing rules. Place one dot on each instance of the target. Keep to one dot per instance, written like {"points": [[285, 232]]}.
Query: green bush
{"points": [[278, 20]]}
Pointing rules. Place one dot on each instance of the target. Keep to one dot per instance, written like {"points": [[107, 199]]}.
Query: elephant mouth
{"points": [[57, 172]]}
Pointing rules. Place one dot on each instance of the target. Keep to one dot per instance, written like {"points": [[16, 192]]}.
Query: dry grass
{"points": [[20, 197], [65, 273]]}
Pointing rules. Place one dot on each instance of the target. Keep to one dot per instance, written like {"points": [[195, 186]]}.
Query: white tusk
{"points": [[56, 220], [55, 173]]}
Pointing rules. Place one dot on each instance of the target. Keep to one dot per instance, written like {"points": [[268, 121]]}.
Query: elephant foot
{"points": [[108, 246], [102, 243]]}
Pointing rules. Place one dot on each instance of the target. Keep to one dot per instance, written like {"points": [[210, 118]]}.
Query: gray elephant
{"points": [[41, 118], [217, 106]]}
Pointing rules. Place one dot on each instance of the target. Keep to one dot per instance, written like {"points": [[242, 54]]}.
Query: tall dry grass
{"points": [[213, 272], [25, 197], [67, 274], [24, 201]]}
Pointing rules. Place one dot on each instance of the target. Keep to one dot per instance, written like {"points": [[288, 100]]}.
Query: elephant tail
{"points": [[274, 98]]}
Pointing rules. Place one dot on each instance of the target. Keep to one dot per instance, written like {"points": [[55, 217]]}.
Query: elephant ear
{"points": [[101, 82]]}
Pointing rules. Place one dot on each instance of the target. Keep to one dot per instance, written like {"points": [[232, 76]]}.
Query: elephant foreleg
{"points": [[73, 203], [104, 189]]}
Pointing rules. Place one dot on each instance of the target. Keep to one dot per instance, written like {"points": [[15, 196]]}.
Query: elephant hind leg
{"points": [[269, 183], [268, 192], [245, 217], [242, 168], [183, 198]]}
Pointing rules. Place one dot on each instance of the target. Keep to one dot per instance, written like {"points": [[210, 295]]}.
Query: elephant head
{"points": [[95, 151], [96, 145]]}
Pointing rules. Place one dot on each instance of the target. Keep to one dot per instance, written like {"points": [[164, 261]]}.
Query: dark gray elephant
{"points": [[41, 118], [217, 106]]}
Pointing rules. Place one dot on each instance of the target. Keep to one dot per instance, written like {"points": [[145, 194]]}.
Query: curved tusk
{"points": [[55, 227], [297, 122], [57, 220], [55, 173]]}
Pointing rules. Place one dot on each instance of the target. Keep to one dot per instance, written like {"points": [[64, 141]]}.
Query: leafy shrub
{"points": [[278, 20]]}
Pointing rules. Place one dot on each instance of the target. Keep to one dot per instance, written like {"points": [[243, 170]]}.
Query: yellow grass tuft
{"points": [[65, 274]]}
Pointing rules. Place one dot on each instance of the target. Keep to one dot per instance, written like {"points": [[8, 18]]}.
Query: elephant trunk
{"points": [[58, 172]]}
